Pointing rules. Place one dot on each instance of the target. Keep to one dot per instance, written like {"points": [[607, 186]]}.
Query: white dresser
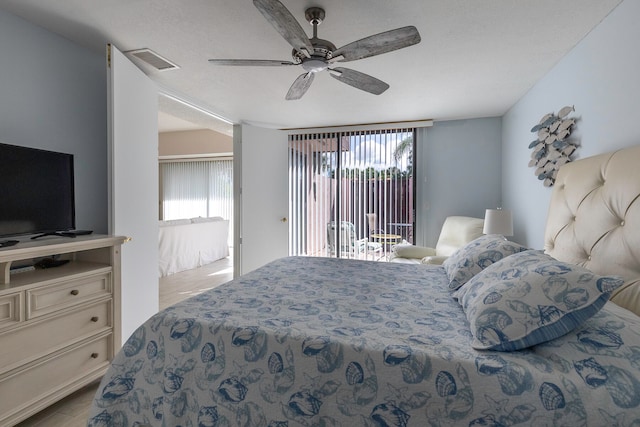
{"points": [[59, 326]]}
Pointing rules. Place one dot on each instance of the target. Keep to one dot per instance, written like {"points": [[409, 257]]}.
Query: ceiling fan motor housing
{"points": [[322, 52]]}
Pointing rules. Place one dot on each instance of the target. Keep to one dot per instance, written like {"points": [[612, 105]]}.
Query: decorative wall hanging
{"points": [[552, 148]]}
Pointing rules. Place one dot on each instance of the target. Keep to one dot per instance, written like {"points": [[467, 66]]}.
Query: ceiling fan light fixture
{"points": [[314, 65]]}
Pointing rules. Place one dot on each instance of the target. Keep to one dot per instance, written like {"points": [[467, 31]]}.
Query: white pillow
{"points": [[200, 219], [171, 222], [411, 251]]}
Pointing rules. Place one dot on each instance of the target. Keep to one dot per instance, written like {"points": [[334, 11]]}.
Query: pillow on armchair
{"points": [[411, 254], [456, 232]]}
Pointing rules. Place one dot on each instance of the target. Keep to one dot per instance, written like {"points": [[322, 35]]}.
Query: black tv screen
{"points": [[36, 191]]}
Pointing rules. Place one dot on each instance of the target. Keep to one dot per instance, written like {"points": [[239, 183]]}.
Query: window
{"points": [[196, 188]]}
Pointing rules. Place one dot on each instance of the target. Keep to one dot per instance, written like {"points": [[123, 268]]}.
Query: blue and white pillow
{"points": [[477, 255], [529, 298]]}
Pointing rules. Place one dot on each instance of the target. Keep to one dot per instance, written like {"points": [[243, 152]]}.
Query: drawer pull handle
{"points": [[94, 355], [75, 292], [94, 319]]}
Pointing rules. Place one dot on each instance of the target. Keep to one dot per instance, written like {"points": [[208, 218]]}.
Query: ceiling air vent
{"points": [[153, 59]]}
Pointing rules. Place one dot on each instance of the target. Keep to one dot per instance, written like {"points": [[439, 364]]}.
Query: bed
{"points": [[189, 243], [329, 342]]}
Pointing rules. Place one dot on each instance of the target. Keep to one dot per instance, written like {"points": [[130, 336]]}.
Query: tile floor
{"points": [[73, 410]]}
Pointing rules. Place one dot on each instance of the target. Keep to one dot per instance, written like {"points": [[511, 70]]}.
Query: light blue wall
{"points": [[53, 96], [601, 77], [458, 173]]}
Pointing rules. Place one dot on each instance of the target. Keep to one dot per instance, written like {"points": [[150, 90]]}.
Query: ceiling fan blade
{"points": [[251, 62], [300, 86], [379, 44], [359, 80], [284, 22]]}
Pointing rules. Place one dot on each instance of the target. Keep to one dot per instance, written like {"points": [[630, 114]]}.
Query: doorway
{"points": [[195, 164]]}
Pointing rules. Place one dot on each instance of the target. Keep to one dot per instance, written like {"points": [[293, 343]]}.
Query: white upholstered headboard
{"points": [[594, 219]]}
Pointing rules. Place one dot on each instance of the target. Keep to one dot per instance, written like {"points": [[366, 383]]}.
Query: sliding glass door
{"points": [[351, 193]]}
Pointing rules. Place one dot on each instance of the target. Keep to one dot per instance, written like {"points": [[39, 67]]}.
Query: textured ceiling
{"points": [[476, 58]]}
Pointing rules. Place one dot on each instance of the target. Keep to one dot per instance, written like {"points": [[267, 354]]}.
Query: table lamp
{"points": [[498, 221]]}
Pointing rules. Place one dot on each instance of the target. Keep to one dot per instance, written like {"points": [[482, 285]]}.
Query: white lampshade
{"points": [[498, 221]]}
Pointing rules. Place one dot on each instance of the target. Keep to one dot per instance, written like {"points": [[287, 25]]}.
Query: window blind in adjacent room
{"points": [[200, 188]]}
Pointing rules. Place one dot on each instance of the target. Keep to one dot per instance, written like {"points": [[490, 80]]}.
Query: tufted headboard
{"points": [[594, 219]]}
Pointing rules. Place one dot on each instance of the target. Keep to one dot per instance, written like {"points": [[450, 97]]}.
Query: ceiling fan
{"points": [[315, 55]]}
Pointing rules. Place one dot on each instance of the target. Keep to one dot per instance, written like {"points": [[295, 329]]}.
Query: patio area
{"points": [[378, 247]]}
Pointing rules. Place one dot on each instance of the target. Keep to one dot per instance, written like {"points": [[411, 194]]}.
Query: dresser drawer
{"points": [[22, 345], [11, 309], [46, 299], [25, 389]]}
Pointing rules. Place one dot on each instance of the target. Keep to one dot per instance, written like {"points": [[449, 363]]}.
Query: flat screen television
{"points": [[36, 191]]}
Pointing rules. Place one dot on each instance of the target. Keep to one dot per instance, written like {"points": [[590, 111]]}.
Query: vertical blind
{"points": [[361, 179], [201, 188]]}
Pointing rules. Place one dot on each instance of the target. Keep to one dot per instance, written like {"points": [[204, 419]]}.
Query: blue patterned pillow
{"points": [[529, 298], [477, 255]]}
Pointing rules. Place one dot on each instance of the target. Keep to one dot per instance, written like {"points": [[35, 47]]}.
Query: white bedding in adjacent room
{"points": [[190, 243]]}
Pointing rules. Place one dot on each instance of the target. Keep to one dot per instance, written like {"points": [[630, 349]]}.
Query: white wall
{"points": [[458, 172], [194, 142], [601, 77], [53, 96]]}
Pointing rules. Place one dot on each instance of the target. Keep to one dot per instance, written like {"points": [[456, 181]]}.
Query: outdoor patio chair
{"points": [[350, 245]]}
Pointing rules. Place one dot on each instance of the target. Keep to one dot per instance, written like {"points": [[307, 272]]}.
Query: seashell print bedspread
{"points": [[327, 342]]}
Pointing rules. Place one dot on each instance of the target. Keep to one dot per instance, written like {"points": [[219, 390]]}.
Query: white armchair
{"points": [[456, 232]]}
